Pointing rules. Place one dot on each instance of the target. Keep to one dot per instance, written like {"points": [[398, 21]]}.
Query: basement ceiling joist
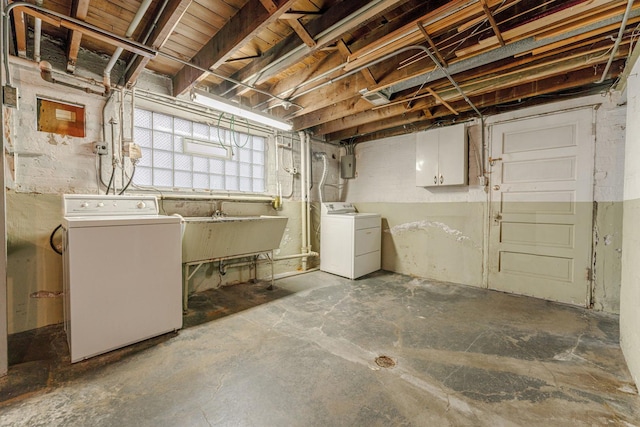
{"points": [[320, 56]]}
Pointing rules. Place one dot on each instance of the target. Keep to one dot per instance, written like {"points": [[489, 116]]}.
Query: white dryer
{"points": [[349, 241]]}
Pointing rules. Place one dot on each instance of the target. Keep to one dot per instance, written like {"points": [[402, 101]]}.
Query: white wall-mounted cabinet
{"points": [[442, 157]]}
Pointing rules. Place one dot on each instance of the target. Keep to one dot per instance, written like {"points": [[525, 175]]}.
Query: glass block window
{"points": [[178, 153]]}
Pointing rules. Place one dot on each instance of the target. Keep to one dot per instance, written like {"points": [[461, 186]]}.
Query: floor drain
{"points": [[385, 362]]}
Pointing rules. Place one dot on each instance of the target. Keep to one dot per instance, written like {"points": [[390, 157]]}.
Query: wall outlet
{"points": [[100, 148]]}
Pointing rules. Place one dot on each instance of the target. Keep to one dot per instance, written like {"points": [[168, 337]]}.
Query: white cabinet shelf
{"points": [[442, 157]]}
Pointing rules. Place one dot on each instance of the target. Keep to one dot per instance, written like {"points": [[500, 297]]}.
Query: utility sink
{"points": [[208, 238]]}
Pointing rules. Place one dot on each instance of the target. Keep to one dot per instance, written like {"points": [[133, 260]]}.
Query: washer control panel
{"points": [[106, 205], [334, 208]]}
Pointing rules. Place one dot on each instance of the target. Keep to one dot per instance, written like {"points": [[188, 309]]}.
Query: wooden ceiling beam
{"points": [[379, 116], [576, 78], [472, 88], [525, 92], [417, 74], [383, 120], [297, 14], [302, 32], [327, 95], [171, 15], [270, 5], [441, 101], [446, 16], [249, 21], [405, 121], [337, 110], [288, 51], [326, 112], [79, 10], [101, 36], [436, 51], [286, 86], [574, 16], [20, 32], [492, 21], [366, 73]]}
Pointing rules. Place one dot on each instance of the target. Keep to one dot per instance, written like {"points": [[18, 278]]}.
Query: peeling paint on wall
{"points": [[425, 224]]}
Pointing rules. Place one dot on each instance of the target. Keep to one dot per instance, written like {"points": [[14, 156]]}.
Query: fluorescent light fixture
{"points": [[225, 106]]}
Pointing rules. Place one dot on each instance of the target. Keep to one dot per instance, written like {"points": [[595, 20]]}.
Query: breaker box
{"points": [[348, 166]]}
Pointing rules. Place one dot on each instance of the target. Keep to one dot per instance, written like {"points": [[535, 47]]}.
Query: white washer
{"points": [[122, 272], [349, 241]]}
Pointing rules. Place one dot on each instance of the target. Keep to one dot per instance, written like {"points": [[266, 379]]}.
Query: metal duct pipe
{"points": [[623, 25], [144, 6], [384, 58]]}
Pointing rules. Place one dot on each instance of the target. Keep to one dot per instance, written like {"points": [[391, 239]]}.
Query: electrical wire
{"points": [[53, 246], [113, 172], [133, 173]]}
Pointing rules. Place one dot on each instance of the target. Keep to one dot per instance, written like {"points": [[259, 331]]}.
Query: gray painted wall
{"points": [[439, 233], [630, 293]]}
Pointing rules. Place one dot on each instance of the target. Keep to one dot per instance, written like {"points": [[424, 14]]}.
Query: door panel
{"points": [[541, 206], [539, 170], [556, 235], [542, 138]]}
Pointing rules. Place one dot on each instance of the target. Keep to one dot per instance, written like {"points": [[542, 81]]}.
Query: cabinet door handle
{"points": [[441, 179], [435, 179]]}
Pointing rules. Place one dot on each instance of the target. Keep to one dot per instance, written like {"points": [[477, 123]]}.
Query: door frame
{"points": [[592, 103]]}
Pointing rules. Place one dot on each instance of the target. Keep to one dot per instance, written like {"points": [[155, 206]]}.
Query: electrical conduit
{"points": [[623, 26], [324, 175]]}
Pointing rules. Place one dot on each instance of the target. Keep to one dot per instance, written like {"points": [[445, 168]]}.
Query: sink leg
{"points": [[272, 274], [185, 288]]}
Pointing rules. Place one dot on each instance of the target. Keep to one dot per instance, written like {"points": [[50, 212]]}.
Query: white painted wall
{"points": [[386, 173], [630, 292], [43, 166]]}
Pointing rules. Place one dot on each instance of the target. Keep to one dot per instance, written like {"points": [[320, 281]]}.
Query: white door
{"points": [[541, 186]]}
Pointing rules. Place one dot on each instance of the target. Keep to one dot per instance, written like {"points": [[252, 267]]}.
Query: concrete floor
{"points": [[305, 355]]}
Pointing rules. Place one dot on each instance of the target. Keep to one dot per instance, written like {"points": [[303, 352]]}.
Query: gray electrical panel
{"points": [[348, 166]]}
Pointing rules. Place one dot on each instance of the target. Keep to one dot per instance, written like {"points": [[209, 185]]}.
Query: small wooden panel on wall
{"points": [[60, 117]]}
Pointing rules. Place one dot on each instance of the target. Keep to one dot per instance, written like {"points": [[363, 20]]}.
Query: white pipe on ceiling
{"points": [[144, 6], [37, 34]]}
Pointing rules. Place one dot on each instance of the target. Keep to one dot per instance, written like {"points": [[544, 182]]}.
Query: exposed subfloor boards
{"points": [[305, 354]]}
